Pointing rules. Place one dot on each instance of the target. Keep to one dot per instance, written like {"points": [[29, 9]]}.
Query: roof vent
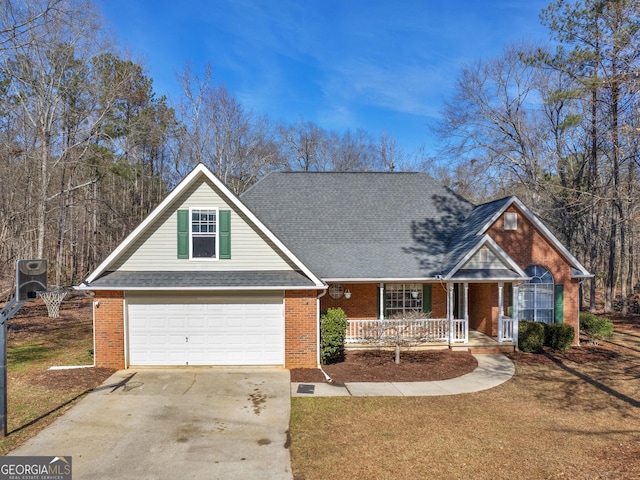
{"points": [[510, 221]]}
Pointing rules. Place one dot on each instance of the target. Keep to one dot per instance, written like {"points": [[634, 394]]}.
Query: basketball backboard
{"points": [[31, 277]]}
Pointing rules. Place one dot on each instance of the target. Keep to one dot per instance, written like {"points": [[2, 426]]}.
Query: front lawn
{"points": [[556, 419], [36, 395]]}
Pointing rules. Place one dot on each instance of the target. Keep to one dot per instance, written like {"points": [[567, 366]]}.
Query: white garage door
{"points": [[206, 331]]}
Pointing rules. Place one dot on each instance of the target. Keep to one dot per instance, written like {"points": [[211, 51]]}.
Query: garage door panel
{"points": [[193, 332]]}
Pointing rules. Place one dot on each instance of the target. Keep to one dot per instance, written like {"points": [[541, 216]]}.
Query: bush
{"points": [[558, 336], [595, 328], [333, 329], [530, 336]]}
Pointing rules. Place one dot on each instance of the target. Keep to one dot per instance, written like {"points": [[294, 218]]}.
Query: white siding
{"points": [[156, 249], [493, 261]]}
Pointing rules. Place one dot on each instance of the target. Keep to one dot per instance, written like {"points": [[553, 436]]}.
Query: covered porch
{"points": [[479, 316]]}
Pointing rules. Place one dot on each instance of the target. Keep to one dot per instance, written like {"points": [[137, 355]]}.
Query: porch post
{"points": [[466, 312], [450, 312], [381, 295], [515, 301], [500, 309]]}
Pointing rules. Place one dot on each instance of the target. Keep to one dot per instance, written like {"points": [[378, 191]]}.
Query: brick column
{"points": [[300, 325], [108, 328]]}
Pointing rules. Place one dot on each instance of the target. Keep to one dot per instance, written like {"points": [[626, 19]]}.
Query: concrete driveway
{"points": [[191, 423]]}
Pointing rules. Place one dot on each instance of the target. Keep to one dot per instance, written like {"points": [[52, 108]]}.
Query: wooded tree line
{"points": [[559, 127], [88, 149]]}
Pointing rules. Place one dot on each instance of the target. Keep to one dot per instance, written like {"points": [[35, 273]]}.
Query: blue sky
{"points": [[381, 66]]}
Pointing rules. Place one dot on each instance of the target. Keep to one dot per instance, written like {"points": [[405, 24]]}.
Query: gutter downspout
{"points": [[327, 377]]}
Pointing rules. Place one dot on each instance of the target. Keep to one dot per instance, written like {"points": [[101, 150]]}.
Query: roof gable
{"points": [[480, 221], [497, 264], [580, 270], [152, 245]]}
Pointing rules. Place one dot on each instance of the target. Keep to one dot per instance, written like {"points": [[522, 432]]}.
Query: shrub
{"points": [[595, 328], [530, 336], [333, 329], [558, 336]]}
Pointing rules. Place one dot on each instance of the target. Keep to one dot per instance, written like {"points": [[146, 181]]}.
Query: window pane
{"points": [[204, 247], [402, 298], [536, 298]]}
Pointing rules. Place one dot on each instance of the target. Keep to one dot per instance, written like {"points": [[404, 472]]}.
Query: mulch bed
{"points": [[83, 378], [380, 366]]}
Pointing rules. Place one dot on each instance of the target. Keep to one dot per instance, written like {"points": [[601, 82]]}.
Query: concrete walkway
{"points": [[492, 371]]}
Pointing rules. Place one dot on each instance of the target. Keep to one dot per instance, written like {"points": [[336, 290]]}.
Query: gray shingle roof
{"points": [[200, 279], [361, 225], [466, 237]]}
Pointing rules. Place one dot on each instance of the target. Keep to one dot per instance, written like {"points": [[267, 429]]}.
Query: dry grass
{"points": [[551, 421], [35, 395]]}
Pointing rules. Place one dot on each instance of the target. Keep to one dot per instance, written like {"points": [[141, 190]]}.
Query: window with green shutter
{"points": [[204, 233]]}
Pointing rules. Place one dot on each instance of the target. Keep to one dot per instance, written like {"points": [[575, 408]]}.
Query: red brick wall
{"points": [[300, 325], [483, 307], [438, 300], [109, 329], [363, 303], [526, 246]]}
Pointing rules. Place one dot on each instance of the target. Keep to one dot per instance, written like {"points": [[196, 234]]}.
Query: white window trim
{"points": [[535, 289], [404, 287], [217, 234]]}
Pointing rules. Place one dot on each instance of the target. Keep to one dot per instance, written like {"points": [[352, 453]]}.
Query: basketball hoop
{"points": [[52, 299]]}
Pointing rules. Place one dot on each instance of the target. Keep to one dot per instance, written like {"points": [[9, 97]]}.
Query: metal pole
{"points": [[5, 314], [3, 378]]}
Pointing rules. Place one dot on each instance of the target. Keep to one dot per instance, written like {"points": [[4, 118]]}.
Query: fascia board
{"points": [[261, 226], [85, 287], [381, 280], [486, 240], [182, 186], [550, 236], [488, 280], [545, 231], [126, 243]]}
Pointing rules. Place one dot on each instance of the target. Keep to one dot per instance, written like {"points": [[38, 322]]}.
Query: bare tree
{"points": [[237, 145], [304, 146], [19, 20]]}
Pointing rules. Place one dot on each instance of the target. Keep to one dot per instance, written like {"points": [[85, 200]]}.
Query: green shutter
{"points": [[225, 234], [427, 296], [510, 293], [559, 303], [183, 233]]}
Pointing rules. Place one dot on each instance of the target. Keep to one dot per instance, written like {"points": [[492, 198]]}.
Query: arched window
{"points": [[536, 297]]}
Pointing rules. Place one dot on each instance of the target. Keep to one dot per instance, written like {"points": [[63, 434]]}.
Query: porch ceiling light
{"points": [[414, 294]]}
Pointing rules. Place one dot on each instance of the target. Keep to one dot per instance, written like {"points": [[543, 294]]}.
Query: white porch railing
{"points": [[423, 330], [507, 330]]}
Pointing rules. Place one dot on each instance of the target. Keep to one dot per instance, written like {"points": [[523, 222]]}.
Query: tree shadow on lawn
{"points": [[593, 382]]}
